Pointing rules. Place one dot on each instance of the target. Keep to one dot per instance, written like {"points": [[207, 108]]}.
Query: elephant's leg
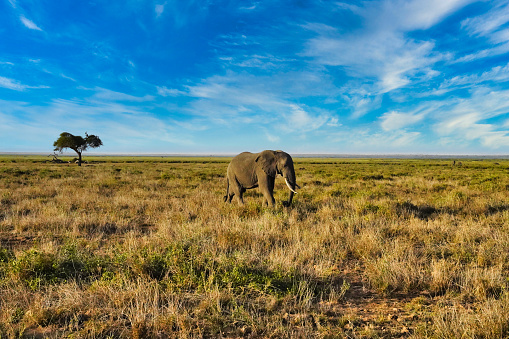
{"points": [[240, 196], [238, 190], [266, 185], [228, 197]]}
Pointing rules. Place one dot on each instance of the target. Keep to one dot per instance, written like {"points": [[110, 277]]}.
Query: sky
{"points": [[226, 76]]}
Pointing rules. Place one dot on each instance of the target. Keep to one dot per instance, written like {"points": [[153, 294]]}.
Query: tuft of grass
{"points": [[37, 268]]}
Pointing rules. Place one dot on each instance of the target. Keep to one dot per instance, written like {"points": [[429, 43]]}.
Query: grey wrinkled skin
{"points": [[249, 170]]}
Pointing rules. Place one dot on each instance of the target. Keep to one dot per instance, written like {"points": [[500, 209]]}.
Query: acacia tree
{"points": [[77, 143]]}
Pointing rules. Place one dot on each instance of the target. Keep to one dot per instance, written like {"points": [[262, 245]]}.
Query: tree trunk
{"points": [[79, 158]]}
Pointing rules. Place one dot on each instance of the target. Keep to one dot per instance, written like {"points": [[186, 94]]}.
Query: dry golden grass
{"points": [[145, 247]]}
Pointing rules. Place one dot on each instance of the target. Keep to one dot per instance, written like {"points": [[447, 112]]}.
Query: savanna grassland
{"points": [[145, 247]]}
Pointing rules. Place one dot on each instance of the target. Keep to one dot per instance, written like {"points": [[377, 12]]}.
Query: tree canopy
{"points": [[76, 143]]}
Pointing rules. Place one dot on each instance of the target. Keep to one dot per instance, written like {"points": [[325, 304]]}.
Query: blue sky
{"points": [[221, 77]]}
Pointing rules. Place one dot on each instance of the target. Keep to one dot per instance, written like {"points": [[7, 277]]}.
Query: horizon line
{"points": [[301, 155]]}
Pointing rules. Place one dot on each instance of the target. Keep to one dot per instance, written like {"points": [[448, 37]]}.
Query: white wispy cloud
{"points": [[300, 120], [362, 140], [497, 73], [169, 92], [234, 40], [485, 53], [67, 77], [333, 122], [234, 90], [271, 137], [404, 15], [455, 123], [245, 99], [11, 84], [361, 98], [249, 7], [388, 58], [471, 119], [16, 85], [106, 95], [470, 127], [159, 9], [468, 81], [125, 126], [396, 120], [257, 61], [492, 26], [490, 22], [29, 23], [380, 51]]}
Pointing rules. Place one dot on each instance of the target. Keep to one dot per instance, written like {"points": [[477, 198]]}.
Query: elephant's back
{"points": [[243, 156]]}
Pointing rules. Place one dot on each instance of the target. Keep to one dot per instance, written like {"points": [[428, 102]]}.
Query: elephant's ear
{"points": [[267, 161]]}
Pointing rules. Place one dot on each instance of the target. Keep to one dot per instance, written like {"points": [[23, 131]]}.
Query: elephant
{"points": [[249, 170]]}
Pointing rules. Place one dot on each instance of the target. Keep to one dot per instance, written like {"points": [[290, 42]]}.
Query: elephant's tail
{"points": [[227, 190]]}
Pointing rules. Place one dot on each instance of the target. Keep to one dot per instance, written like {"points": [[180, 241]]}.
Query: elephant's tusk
{"points": [[290, 187]]}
